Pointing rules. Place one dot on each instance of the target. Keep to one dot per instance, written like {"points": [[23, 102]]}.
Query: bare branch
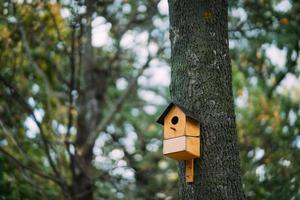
{"points": [[116, 108], [35, 185], [31, 60], [72, 83], [16, 143], [57, 30], [71, 100], [22, 102], [34, 171]]}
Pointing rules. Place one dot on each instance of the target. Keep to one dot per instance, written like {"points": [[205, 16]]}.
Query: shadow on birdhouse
{"points": [[181, 135]]}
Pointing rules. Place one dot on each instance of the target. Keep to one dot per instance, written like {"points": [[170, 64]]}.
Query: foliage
{"points": [[50, 78], [267, 107]]}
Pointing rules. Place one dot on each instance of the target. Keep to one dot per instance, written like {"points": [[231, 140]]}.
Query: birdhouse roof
{"points": [[183, 109]]}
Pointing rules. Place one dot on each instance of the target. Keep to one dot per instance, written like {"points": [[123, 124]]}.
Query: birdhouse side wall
{"points": [[193, 146], [174, 130], [192, 127]]}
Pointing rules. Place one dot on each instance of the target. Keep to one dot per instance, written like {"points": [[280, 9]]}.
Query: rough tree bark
{"points": [[202, 82]]}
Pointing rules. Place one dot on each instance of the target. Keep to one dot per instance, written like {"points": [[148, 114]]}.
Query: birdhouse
{"points": [[181, 135]]}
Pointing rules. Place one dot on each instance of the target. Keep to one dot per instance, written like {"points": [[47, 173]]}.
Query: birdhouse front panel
{"points": [[182, 148], [174, 123]]}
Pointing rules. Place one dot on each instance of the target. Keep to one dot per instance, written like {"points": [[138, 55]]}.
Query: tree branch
{"points": [[34, 171], [57, 30], [116, 108], [71, 100], [19, 99], [31, 60], [16, 143]]}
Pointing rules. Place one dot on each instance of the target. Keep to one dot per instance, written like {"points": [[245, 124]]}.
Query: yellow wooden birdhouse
{"points": [[181, 135]]}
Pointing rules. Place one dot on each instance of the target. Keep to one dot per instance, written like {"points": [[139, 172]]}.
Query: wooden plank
{"points": [[182, 148], [189, 171], [182, 155], [192, 127], [172, 129], [174, 145], [193, 145]]}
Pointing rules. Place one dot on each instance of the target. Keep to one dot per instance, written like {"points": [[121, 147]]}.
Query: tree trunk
{"points": [[90, 109], [202, 82]]}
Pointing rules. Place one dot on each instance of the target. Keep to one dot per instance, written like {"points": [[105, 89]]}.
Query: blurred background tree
{"points": [[82, 82], [265, 39]]}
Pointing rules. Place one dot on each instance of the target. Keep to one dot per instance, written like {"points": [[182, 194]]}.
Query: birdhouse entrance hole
{"points": [[175, 120]]}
